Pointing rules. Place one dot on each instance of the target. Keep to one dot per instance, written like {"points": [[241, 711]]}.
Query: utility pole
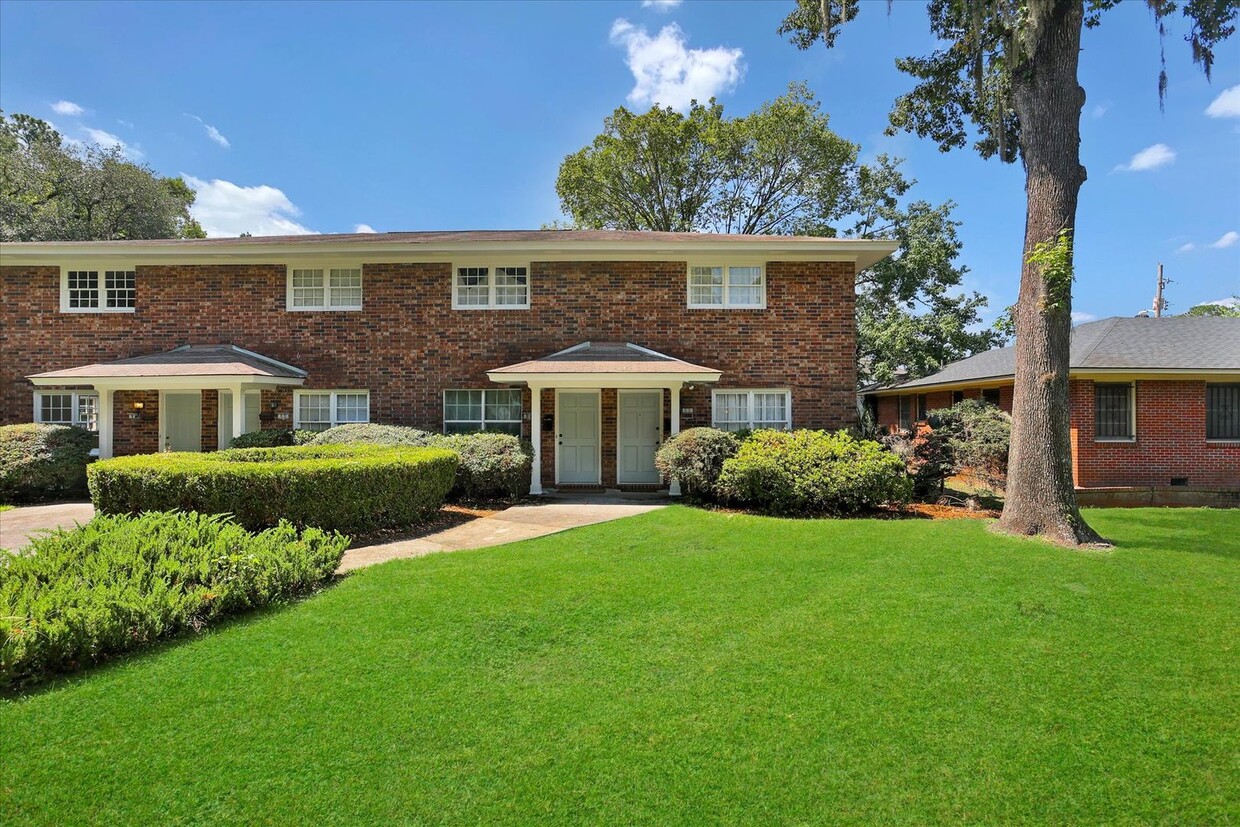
{"points": [[1159, 304]]}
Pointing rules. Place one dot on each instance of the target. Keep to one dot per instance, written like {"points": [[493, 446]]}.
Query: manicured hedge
{"points": [[43, 462], [493, 466], [74, 598], [272, 438], [349, 488], [695, 458], [813, 472]]}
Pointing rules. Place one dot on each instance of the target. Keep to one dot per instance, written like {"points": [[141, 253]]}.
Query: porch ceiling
{"points": [[604, 364], [188, 366]]}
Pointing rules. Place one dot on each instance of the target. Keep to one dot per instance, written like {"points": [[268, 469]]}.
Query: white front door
{"points": [[182, 419], [577, 438], [640, 430]]}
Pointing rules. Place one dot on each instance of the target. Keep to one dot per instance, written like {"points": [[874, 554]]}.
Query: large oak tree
{"points": [[1006, 77]]}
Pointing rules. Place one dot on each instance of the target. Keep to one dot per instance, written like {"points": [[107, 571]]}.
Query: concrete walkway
{"points": [[17, 525], [520, 522]]}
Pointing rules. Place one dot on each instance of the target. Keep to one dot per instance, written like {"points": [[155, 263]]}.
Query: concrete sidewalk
{"points": [[17, 525], [520, 522]]}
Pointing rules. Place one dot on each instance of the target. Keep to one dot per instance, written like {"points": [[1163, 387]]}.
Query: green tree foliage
{"points": [[1004, 76], [1226, 311], [781, 170], [52, 190]]}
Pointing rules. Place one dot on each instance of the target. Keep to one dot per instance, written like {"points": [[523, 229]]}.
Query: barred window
{"points": [[1223, 412], [1114, 411]]}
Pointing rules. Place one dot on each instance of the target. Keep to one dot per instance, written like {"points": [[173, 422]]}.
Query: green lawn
{"points": [[685, 667]]}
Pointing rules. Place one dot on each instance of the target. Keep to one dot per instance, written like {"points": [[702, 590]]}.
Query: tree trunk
{"points": [[1041, 498]]}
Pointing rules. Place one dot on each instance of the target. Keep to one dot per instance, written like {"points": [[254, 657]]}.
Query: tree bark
{"points": [[1047, 98]]}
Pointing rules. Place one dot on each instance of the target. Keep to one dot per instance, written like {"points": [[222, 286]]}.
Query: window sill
{"points": [[1223, 442], [1116, 440], [97, 309], [324, 309], [490, 307], [726, 307]]}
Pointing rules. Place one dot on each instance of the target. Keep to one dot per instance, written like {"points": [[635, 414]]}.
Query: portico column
{"points": [[105, 423], [673, 488], [238, 411], [536, 439]]}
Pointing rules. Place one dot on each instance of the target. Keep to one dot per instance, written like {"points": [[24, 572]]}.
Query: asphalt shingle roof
{"points": [[1118, 343], [187, 360]]}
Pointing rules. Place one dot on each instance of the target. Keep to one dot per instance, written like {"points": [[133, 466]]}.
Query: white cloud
{"points": [[225, 209], [1226, 240], [668, 73], [1186, 248], [364, 228], [1099, 110], [107, 140], [67, 108], [212, 132], [1152, 157], [1230, 301], [1082, 318], [125, 123], [661, 5], [1226, 105]]}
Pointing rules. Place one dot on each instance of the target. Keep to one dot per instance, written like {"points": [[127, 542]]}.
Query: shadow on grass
{"points": [[35, 686]]}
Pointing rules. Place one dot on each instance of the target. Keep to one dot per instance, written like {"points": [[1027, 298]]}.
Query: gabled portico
{"points": [[179, 377], [634, 379]]}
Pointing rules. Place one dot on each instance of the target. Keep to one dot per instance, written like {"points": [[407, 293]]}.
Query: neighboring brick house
{"points": [[1155, 403], [595, 345]]}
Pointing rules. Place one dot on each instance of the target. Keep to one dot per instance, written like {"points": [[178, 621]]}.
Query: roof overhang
{"points": [[1102, 374], [604, 380], [605, 365], [165, 383], [189, 367]]}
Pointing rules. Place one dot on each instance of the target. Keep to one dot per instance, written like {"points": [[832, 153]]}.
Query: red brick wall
{"points": [[210, 420], [1171, 440], [130, 435], [408, 344]]}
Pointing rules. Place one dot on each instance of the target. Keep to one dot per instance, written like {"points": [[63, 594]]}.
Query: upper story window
{"points": [[505, 287], [78, 408], [740, 410], [1223, 412], [1115, 412], [320, 410], [324, 288], [97, 290], [727, 286], [467, 411]]}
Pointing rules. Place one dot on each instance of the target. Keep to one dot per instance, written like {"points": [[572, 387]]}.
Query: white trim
{"points": [[222, 434], [590, 381], [163, 419], [102, 290], [326, 267], [598, 459], [491, 264], [332, 393], [714, 403], [726, 268], [619, 412], [202, 382], [74, 395]]}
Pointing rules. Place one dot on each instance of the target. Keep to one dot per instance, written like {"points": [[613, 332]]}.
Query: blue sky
{"points": [[322, 117]]}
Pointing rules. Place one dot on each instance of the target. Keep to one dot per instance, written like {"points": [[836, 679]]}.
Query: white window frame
{"points": [[749, 408], [491, 266], [332, 394], [726, 268], [74, 406], [102, 298], [483, 421], [326, 306]]}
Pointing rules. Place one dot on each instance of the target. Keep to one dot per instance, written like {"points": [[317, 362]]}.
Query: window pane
{"points": [[473, 286], [1222, 411], [770, 410], [503, 406], [83, 288], [88, 412], [745, 286], [463, 406], [706, 285], [732, 411], [119, 288], [512, 286], [307, 288], [1112, 411], [352, 407], [345, 287], [314, 411], [513, 428], [56, 408]]}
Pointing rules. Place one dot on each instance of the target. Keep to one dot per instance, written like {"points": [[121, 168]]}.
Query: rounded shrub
{"points": [[43, 462], [347, 488], [812, 472], [272, 438], [492, 465], [695, 458], [370, 433]]}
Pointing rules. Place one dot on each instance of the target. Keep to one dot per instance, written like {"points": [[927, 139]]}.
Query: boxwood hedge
{"points": [[43, 462], [73, 598], [349, 488]]}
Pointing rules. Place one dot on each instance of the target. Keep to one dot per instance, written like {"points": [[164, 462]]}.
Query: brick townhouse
{"points": [[1155, 405], [594, 345]]}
